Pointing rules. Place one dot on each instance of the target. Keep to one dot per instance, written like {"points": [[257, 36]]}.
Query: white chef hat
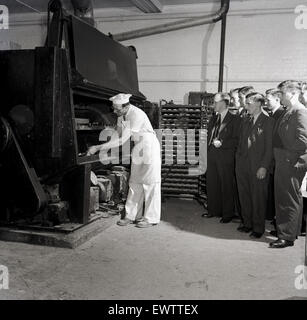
{"points": [[121, 98]]}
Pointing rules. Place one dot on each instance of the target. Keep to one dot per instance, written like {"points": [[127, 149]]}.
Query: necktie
{"points": [[216, 128]]}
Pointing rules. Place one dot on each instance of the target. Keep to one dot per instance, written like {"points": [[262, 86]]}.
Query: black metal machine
{"points": [[54, 104]]}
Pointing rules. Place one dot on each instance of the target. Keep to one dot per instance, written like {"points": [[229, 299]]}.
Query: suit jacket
{"points": [[277, 116], [278, 113], [229, 131], [292, 130], [255, 142]]}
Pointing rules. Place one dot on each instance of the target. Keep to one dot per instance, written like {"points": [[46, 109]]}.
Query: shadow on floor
{"points": [[186, 215]]}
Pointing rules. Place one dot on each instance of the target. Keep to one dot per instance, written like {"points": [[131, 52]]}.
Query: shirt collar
{"points": [[274, 110]]}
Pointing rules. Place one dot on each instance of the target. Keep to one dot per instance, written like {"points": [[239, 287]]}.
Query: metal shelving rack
{"points": [[176, 180]]}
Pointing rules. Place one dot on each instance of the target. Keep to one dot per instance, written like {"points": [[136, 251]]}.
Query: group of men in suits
{"points": [[258, 156]]}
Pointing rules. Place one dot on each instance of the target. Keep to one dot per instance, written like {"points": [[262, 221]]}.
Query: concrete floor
{"points": [[185, 257]]}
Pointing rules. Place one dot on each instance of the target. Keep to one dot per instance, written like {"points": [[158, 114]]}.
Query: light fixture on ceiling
{"points": [[148, 6]]}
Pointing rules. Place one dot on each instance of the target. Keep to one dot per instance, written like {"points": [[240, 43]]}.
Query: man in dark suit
{"points": [[290, 165], [303, 99], [243, 92], [222, 142], [253, 159], [273, 106], [275, 110], [235, 105]]}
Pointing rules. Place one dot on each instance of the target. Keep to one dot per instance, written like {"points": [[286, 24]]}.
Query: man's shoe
{"points": [[207, 215], [145, 224], [244, 229], [124, 222], [256, 235], [225, 220], [273, 233], [280, 243], [237, 220], [105, 214]]}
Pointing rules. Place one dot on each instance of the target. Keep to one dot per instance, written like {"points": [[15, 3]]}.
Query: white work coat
{"points": [[146, 153]]}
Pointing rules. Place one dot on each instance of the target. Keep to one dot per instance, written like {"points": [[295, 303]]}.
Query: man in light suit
{"points": [[290, 165], [222, 142], [253, 160]]}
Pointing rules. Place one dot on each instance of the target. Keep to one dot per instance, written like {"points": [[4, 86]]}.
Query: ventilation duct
{"points": [[177, 25], [148, 6]]}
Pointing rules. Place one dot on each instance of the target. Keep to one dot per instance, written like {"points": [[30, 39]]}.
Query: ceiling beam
{"points": [[27, 5], [148, 6]]}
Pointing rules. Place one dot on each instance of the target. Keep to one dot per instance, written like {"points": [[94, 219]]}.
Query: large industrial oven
{"points": [[54, 104]]}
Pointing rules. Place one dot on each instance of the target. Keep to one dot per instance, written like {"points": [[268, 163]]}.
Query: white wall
{"points": [[262, 47], [26, 30]]}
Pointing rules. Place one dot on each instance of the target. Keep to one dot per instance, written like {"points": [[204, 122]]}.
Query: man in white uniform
{"points": [[145, 176]]}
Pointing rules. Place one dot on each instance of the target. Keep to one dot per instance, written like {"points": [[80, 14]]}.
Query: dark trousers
{"points": [[270, 213], [288, 197], [219, 180], [253, 194], [236, 199], [303, 229]]}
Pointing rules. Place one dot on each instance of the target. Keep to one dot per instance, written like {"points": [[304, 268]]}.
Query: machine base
{"points": [[69, 235]]}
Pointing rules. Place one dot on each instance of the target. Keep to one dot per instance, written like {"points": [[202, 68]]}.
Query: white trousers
{"points": [[304, 186], [138, 193]]}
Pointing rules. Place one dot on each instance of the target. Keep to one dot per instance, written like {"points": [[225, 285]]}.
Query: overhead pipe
{"points": [[177, 25], [187, 23], [84, 10], [222, 53]]}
